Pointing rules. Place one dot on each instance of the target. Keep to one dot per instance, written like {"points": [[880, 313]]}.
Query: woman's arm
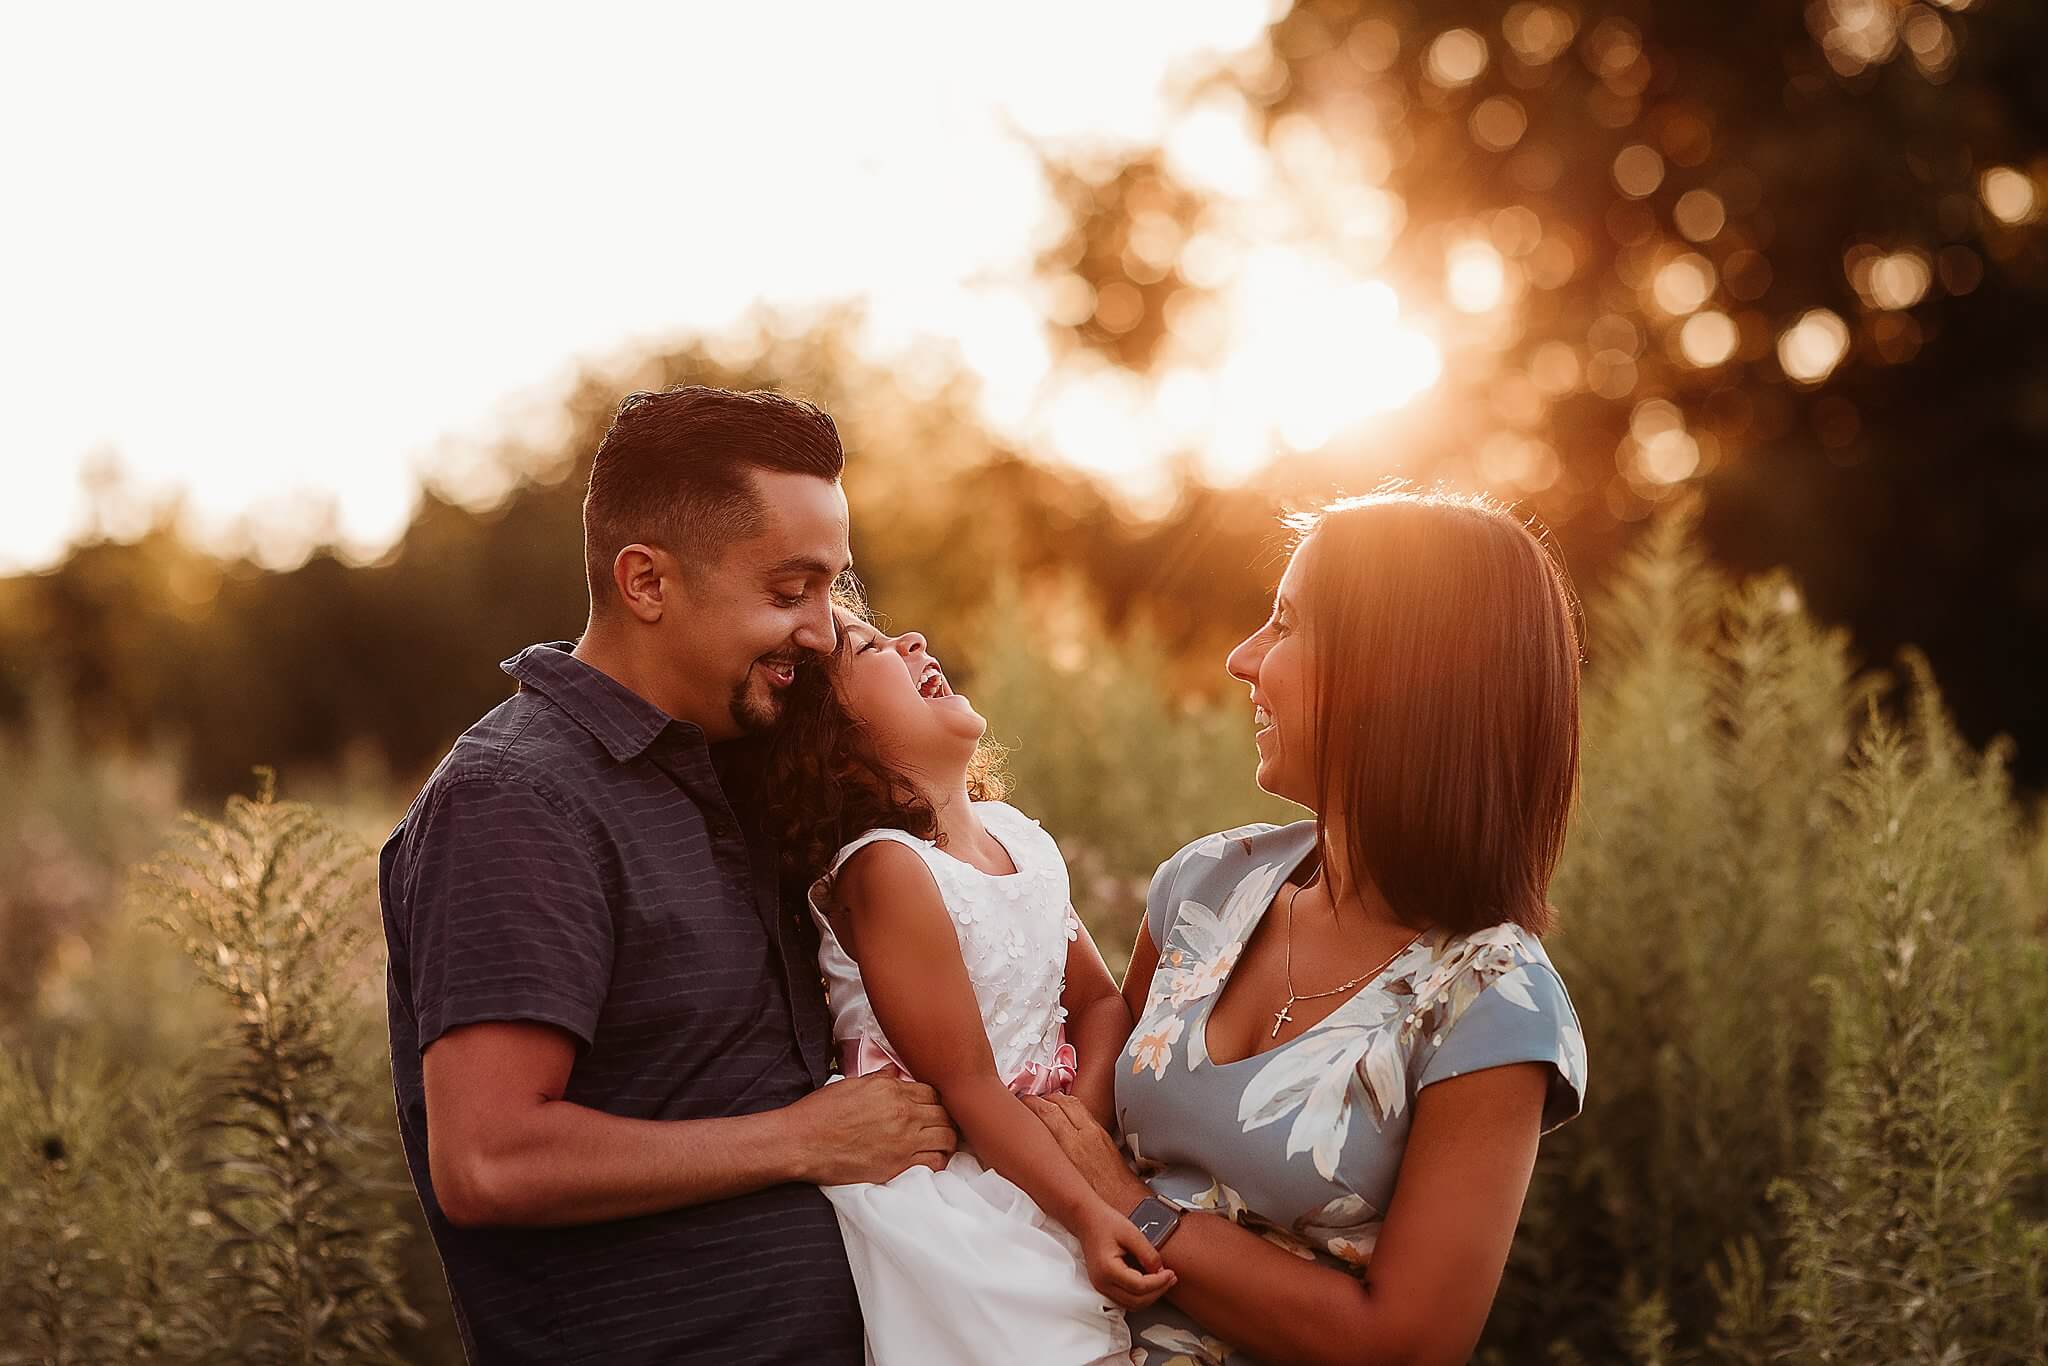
{"points": [[1138, 976], [895, 924], [1098, 1025], [1436, 1267]]}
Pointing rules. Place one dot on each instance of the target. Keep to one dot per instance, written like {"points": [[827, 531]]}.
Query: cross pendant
{"points": [[1280, 1017]]}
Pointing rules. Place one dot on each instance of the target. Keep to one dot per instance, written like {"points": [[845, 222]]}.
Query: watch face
{"points": [[1155, 1219]]}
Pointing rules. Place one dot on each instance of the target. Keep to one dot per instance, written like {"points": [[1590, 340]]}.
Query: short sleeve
{"points": [[1159, 898], [508, 915], [1521, 1016]]}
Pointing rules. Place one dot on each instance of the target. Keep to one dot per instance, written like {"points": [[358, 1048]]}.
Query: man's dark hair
{"points": [[676, 471]]}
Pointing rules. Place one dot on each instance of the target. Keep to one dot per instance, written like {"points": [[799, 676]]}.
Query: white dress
{"points": [[960, 1266]]}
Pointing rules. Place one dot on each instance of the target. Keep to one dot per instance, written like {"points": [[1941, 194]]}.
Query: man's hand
{"points": [[1090, 1148], [870, 1129]]}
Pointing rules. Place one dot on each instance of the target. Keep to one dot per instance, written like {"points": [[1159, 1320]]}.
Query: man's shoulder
{"points": [[524, 741], [525, 747]]}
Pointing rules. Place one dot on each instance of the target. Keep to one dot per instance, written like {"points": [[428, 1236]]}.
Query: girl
{"points": [[951, 954]]}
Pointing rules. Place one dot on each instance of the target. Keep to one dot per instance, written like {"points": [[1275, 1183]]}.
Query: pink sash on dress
{"points": [[859, 1057]]}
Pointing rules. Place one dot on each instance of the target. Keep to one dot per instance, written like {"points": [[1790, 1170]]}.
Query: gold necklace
{"points": [[1285, 1012]]}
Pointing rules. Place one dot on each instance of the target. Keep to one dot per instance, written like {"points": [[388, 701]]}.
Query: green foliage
{"points": [[1903, 1241], [1720, 867], [268, 904], [73, 820], [225, 1202], [1802, 921]]}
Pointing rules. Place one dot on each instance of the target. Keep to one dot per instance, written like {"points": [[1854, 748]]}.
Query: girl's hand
{"points": [[1109, 1244], [1092, 1151]]}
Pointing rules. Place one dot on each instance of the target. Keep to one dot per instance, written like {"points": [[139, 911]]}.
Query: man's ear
{"points": [[645, 576]]}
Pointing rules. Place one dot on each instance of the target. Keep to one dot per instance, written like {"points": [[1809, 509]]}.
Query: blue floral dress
{"points": [[1302, 1143]]}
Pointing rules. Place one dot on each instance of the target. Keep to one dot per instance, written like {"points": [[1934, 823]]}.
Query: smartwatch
{"points": [[1156, 1219]]}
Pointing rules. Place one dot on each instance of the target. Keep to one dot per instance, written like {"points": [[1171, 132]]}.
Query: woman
{"points": [[1349, 1038]]}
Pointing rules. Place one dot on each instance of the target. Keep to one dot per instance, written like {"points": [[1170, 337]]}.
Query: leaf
{"points": [[1295, 1073], [1514, 986]]}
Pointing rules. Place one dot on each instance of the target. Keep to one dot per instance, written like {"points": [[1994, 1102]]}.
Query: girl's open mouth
{"points": [[933, 685]]}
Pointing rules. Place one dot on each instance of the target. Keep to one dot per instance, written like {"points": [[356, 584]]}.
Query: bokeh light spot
{"points": [[1613, 47], [1475, 277], [1119, 307], [1700, 215], [1537, 33], [2009, 194], [1456, 58], [1498, 123], [1374, 44], [1684, 285], [1554, 369], [1513, 461], [1708, 339], [1899, 280], [1933, 47], [1810, 349], [1638, 170]]}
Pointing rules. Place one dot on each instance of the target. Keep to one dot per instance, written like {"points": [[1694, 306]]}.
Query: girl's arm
{"points": [[1098, 1025], [894, 923]]}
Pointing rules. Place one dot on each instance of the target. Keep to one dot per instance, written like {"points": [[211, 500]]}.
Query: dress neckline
{"points": [[1240, 940], [994, 834]]}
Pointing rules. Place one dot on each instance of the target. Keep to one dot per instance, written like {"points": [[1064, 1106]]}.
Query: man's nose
{"points": [[818, 633]]}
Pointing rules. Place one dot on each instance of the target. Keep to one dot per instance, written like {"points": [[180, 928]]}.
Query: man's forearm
{"points": [[562, 1163]]}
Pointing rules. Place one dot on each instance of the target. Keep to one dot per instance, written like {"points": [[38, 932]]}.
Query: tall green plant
{"points": [[1904, 1245], [58, 1141], [1702, 896], [268, 905]]}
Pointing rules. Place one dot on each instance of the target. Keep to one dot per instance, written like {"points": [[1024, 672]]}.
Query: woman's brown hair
{"points": [[817, 782], [1446, 665]]}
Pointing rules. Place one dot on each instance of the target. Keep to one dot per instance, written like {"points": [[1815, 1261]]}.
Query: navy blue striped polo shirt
{"points": [[574, 861]]}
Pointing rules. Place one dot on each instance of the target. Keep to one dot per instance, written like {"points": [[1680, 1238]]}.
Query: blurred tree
{"points": [[150, 641], [1793, 253]]}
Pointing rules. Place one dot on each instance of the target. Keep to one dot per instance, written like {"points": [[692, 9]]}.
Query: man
{"points": [[607, 1035]]}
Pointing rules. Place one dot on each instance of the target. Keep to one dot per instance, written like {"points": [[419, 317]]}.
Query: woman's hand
{"points": [[1110, 1244], [1092, 1151]]}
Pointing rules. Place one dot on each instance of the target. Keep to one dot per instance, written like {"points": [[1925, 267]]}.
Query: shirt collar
{"points": [[623, 721]]}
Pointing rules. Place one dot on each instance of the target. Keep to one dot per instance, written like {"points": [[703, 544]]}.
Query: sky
{"points": [[260, 251]]}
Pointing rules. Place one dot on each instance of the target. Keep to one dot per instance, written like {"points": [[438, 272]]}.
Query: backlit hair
{"points": [[676, 471], [1445, 657]]}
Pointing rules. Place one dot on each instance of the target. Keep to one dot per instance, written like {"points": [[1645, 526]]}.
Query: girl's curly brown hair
{"points": [[816, 782]]}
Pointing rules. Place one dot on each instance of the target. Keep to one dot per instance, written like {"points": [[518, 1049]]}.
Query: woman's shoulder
{"points": [[1490, 996], [1459, 967], [1231, 849]]}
